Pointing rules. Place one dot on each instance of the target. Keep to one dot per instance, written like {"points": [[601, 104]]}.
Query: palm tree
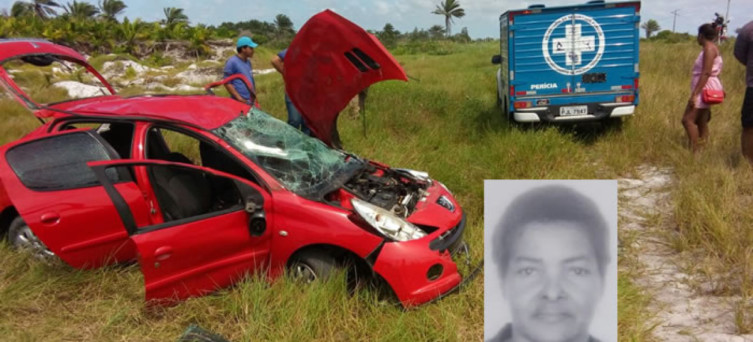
{"points": [[81, 10], [174, 15], [449, 9], [40, 8], [650, 26], [111, 8]]}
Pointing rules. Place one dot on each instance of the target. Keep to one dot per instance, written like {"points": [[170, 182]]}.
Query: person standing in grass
{"points": [[706, 72], [744, 54], [295, 118], [241, 64]]}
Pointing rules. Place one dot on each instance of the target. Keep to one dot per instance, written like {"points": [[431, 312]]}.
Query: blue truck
{"points": [[569, 63]]}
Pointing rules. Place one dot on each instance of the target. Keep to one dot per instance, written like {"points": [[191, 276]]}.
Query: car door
{"points": [[39, 52], [59, 198], [216, 229]]}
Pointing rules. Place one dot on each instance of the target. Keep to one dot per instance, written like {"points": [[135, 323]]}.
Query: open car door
{"points": [[62, 202], [329, 62], [38, 52], [216, 228]]}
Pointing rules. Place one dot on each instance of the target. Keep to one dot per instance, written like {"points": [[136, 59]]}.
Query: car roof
{"points": [[205, 111]]}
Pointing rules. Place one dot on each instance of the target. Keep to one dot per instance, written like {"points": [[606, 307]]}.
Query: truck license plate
{"points": [[573, 110]]}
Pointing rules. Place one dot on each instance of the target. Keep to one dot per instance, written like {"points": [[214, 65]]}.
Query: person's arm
{"points": [[230, 70], [234, 93], [709, 53], [741, 49], [278, 64]]}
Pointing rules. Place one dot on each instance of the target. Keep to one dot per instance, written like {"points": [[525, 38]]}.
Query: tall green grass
{"points": [[444, 121]]}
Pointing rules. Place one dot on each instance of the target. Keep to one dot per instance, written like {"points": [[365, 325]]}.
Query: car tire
{"points": [[20, 237], [312, 265]]}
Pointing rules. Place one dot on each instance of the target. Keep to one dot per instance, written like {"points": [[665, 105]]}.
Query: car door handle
{"points": [[50, 218], [163, 253]]}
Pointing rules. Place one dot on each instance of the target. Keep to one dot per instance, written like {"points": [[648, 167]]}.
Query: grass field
{"points": [[444, 121]]}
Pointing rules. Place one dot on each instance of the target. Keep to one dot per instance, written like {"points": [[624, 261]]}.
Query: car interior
{"points": [[181, 192]]}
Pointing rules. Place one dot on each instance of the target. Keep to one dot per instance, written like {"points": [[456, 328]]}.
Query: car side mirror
{"points": [[496, 59]]}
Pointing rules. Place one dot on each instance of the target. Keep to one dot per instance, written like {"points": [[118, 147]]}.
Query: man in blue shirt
{"points": [[294, 116], [241, 64]]}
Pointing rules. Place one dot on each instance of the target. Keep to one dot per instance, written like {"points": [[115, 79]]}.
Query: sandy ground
{"points": [[682, 312]]}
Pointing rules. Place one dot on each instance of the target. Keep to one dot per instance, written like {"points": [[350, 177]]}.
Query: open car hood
{"points": [[328, 63], [38, 52]]}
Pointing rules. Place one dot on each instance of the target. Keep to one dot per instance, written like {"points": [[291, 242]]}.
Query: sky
{"points": [[481, 16]]}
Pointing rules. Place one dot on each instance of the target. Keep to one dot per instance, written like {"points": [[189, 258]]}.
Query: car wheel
{"points": [[312, 265], [22, 238]]}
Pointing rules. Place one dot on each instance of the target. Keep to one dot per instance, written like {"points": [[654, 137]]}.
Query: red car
{"points": [[202, 189]]}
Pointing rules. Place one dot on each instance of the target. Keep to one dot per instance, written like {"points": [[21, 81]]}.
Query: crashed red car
{"points": [[202, 189]]}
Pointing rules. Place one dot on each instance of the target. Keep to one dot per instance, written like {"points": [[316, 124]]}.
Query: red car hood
{"points": [[328, 63]]}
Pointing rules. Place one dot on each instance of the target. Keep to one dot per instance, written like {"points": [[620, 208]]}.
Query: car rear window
{"points": [[59, 162]]}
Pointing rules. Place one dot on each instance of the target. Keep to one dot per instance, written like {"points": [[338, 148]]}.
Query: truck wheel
{"points": [[311, 265], [506, 112], [612, 123], [22, 238]]}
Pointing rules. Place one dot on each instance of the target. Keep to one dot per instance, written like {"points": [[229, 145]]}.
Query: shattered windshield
{"points": [[301, 163]]}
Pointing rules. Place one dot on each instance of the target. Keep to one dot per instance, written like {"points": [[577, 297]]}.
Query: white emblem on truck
{"points": [[544, 86], [573, 45]]}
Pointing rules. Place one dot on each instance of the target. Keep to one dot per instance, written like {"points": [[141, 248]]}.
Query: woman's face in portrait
{"points": [[552, 282]]}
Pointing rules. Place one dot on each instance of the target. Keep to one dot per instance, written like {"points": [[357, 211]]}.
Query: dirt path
{"points": [[682, 312]]}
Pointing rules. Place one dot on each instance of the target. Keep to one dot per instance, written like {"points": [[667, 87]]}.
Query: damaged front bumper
{"points": [[421, 271]]}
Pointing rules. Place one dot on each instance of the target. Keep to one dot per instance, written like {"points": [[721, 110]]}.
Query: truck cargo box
{"points": [[569, 63]]}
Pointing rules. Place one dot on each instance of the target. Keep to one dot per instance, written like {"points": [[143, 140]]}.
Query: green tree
{"points": [[81, 10], [174, 15], [650, 26], [436, 32], [40, 8], [388, 36], [109, 9], [449, 9], [284, 25]]}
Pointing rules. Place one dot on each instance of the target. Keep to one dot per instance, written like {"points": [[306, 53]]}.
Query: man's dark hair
{"points": [[707, 31], [238, 49], [552, 203]]}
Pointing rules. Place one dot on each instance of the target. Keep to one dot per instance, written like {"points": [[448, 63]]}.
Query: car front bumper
{"points": [[411, 267]]}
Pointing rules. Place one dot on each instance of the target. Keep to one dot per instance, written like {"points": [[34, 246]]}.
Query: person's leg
{"points": [[294, 116], [747, 143], [691, 128], [746, 139], [702, 121]]}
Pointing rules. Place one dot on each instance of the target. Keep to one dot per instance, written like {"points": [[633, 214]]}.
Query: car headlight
{"points": [[387, 223]]}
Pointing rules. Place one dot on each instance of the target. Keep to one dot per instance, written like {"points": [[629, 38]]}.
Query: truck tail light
{"points": [[522, 104], [627, 86], [635, 81], [512, 91], [625, 98]]}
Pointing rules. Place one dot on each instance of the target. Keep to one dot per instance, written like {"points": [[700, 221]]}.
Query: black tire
{"points": [[311, 265], [20, 237], [612, 123], [506, 112]]}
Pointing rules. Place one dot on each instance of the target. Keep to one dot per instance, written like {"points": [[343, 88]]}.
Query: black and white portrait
{"points": [[551, 261]]}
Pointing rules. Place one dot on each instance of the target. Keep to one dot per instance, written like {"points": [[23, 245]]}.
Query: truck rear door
{"points": [[539, 70], [587, 49], [615, 31]]}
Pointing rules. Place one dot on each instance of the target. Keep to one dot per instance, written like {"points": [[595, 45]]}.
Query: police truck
{"points": [[569, 63]]}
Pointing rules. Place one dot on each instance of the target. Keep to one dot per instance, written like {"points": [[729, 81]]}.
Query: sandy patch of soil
{"points": [[682, 312]]}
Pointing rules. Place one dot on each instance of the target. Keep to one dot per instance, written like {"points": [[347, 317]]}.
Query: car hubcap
{"points": [[305, 272], [24, 239]]}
